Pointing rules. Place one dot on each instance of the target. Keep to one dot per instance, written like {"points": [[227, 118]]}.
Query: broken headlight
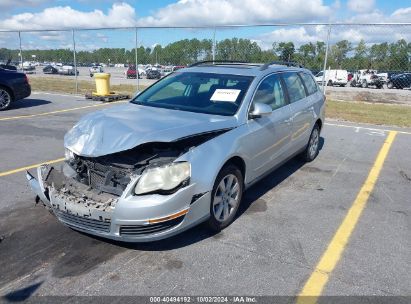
{"points": [[68, 154], [166, 178]]}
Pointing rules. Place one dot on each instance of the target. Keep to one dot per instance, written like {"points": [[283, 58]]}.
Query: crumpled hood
{"points": [[124, 127]]}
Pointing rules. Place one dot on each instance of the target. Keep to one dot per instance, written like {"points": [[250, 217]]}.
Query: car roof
{"points": [[241, 69]]}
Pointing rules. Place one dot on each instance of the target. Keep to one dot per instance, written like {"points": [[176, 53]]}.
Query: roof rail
{"points": [[218, 62], [286, 63]]}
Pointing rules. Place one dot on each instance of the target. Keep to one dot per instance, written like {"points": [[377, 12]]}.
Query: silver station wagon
{"points": [[183, 151]]}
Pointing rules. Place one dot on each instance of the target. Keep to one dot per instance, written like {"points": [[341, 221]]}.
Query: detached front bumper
{"points": [[132, 218]]}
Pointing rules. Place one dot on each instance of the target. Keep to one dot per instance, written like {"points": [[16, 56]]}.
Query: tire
{"points": [[223, 209], [390, 85], [364, 84], [329, 83], [313, 145], [5, 98]]}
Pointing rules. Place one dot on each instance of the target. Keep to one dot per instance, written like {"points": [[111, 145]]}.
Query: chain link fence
{"points": [[349, 55]]}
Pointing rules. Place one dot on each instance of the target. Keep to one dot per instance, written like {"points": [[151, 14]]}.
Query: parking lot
{"points": [[289, 224]]}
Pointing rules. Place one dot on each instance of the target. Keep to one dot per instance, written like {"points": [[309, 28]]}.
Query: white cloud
{"points": [[215, 12], [402, 15], [298, 35], [361, 6], [119, 15], [371, 34], [102, 37]]}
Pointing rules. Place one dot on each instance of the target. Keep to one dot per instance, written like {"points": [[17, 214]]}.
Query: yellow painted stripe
{"points": [[59, 111], [5, 173], [320, 276]]}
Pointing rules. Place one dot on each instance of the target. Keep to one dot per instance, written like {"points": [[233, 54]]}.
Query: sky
{"points": [[34, 15]]}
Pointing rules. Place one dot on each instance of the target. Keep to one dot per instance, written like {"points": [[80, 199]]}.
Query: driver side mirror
{"points": [[260, 110]]}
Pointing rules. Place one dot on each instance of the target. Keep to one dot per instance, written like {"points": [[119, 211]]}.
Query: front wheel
{"points": [[390, 85], [313, 146], [225, 197]]}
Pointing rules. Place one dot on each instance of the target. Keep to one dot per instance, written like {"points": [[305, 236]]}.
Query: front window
{"points": [[270, 92], [207, 93]]}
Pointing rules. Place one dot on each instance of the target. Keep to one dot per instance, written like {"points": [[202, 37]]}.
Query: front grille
{"points": [[83, 222], [96, 179], [101, 176], [142, 230]]}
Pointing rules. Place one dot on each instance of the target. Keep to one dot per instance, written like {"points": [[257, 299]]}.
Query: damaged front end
{"points": [[97, 194]]}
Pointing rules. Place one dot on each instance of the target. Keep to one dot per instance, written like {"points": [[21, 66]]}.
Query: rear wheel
{"points": [[364, 84], [390, 85], [5, 98], [313, 146], [225, 197], [329, 83]]}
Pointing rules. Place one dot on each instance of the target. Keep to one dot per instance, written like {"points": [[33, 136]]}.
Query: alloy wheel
{"points": [[5, 99], [314, 141], [226, 197]]}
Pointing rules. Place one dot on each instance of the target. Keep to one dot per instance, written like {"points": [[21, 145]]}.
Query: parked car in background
{"points": [[132, 72], [67, 70], [13, 86], [174, 158], [400, 81], [50, 70], [95, 69], [166, 71], [178, 67], [153, 74], [333, 77], [8, 67], [366, 78]]}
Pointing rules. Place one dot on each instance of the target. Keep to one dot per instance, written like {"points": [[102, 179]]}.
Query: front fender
{"points": [[208, 158]]}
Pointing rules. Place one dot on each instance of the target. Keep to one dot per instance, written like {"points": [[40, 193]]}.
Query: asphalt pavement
{"points": [[285, 225]]}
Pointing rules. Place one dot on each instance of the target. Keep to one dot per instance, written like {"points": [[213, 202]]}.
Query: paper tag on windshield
{"points": [[225, 95]]}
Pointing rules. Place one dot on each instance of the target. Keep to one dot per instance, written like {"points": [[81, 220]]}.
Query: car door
{"points": [[301, 106], [268, 137]]}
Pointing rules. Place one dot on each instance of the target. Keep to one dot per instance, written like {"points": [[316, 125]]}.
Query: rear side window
{"points": [[295, 87], [309, 83]]}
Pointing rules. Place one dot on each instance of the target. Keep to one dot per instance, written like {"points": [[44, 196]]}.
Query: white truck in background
{"points": [[333, 77], [366, 78]]}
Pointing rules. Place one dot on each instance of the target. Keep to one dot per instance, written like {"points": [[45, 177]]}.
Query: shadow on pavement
{"points": [[22, 294], [28, 103]]}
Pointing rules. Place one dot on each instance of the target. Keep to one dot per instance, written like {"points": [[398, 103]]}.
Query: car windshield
{"points": [[207, 93]]}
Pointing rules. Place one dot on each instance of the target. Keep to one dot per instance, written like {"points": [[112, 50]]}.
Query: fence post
{"points": [[21, 53], [214, 44], [74, 58], [326, 57], [137, 73]]}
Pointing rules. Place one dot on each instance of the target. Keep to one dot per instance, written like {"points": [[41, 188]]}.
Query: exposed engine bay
{"points": [[110, 174]]}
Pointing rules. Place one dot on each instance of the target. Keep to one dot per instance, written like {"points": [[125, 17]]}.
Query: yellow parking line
{"points": [[30, 167], [60, 111], [321, 274]]}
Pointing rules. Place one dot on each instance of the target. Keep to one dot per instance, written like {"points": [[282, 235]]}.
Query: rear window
{"points": [[309, 83], [295, 87]]}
